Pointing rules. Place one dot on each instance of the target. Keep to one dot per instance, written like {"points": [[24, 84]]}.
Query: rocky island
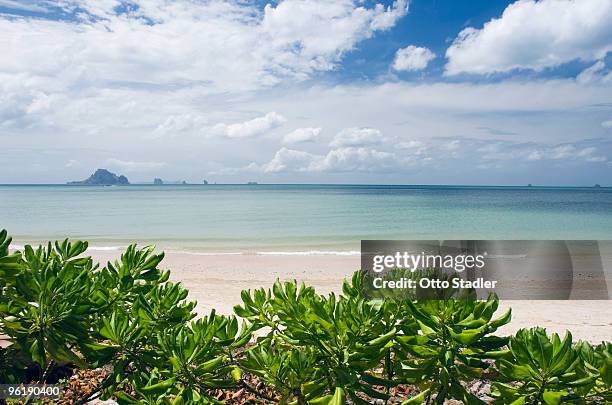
{"points": [[102, 177]]}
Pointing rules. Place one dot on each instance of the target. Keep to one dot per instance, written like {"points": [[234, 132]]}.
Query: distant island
{"points": [[102, 177], [159, 182]]}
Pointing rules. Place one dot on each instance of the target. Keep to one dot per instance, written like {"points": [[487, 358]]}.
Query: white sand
{"points": [[215, 281]]}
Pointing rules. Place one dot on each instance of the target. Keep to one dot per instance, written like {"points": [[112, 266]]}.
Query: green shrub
{"points": [[540, 370], [340, 340], [451, 347], [58, 308], [598, 363], [48, 304]]}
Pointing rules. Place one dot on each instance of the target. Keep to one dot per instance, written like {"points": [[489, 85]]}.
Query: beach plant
{"points": [[342, 339], [59, 310], [193, 360], [597, 362], [454, 341], [541, 369], [134, 275], [11, 369], [152, 329], [293, 373], [48, 305]]}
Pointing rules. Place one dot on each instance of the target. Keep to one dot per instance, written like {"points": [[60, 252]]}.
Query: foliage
{"points": [[319, 348], [542, 369], [58, 308], [452, 346], [597, 362], [48, 303]]}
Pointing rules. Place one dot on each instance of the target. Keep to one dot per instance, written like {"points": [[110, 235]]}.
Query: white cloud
{"points": [[593, 73], [102, 83], [534, 155], [134, 166], [219, 45], [530, 152], [247, 129], [357, 137], [175, 124], [344, 159], [571, 152], [290, 160], [23, 5], [306, 36], [607, 124], [534, 35], [412, 58], [360, 159], [301, 135]]}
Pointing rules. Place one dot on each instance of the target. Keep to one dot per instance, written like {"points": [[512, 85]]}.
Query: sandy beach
{"points": [[215, 281]]}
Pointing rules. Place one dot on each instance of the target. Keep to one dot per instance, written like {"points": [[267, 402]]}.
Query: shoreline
{"points": [[216, 281]]}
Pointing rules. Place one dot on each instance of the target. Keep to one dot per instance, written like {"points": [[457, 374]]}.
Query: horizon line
{"points": [[252, 184]]}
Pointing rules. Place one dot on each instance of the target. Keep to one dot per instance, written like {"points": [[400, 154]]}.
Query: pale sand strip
{"points": [[216, 281]]}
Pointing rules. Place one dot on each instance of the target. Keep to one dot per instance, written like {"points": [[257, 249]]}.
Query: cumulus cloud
{"points": [[175, 124], [222, 45], [23, 5], [344, 159], [534, 35], [361, 159], [247, 129], [301, 135], [105, 80], [407, 155], [412, 58], [307, 36], [130, 165], [357, 137], [290, 160]]}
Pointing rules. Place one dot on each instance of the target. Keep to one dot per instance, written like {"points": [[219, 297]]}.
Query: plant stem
{"points": [[42, 380]]}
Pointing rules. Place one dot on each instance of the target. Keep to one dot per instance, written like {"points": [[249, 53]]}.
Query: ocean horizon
{"points": [[297, 219]]}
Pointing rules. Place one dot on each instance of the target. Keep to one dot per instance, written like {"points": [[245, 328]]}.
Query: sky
{"points": [[307, 91]]}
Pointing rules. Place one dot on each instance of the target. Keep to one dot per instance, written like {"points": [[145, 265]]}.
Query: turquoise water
{"points": [[292, 218]]}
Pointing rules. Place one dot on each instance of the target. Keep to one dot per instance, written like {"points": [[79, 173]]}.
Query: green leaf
{"points": [[159, 388], [553, 397], [236, 373], [339, 397], [417, 399], [211, 365], [124, 398], [519, 401]]}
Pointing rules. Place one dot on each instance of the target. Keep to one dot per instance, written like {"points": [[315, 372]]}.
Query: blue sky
{"points": [[351, 91]]}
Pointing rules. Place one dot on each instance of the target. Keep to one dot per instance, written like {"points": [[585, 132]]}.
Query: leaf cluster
{"points": [[59, 309]]}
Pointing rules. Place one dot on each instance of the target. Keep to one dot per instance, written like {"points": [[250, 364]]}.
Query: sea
{"points": [[281, 219]]}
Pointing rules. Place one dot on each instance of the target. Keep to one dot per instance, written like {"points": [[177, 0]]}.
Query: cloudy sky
{"points": [[307, 91]]}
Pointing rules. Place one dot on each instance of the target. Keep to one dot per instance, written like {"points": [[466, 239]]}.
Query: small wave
{"points": [[205, 253], [104, 248], [273, 253], [313, 253], [257, 253]]}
